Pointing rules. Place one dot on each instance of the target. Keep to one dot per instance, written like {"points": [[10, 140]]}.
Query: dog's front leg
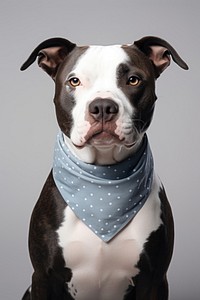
{"points": [[146, 290], [39, 290], [160, 291]]}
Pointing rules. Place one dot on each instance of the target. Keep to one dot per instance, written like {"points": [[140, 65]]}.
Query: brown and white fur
{"points": [[104, 100]]}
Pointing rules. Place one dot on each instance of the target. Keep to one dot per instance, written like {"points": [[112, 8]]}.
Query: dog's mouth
{"points": [[104, 138], [102, 134], [106, 134]]}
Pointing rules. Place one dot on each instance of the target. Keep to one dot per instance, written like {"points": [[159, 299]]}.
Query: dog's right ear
{"points": [[50, 55]]}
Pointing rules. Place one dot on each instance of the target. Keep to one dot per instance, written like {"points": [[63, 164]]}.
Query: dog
{"points": [[102, 227]]}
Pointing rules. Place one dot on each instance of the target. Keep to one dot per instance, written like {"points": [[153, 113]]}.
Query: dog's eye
{"points": [[133, 80], [74, 82]]}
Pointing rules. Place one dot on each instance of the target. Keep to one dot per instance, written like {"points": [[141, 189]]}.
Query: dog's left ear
{"points": [[50, 55], [159, 52]]}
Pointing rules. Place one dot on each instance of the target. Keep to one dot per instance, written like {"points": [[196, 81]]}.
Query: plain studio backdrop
{"points": [[28, 125]]}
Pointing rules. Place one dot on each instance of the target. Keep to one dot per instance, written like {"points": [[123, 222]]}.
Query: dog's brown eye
{"points": [[133, 80], [74, 81]]}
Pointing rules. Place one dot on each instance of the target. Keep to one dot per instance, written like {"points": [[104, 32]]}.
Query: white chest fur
{"points": [[100, 270]]}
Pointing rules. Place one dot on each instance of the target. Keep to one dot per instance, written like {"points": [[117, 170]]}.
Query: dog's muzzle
{"points": [[102, 116]]}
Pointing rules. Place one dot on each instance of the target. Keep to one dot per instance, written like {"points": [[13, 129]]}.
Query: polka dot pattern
{"points": [[105, 198]]}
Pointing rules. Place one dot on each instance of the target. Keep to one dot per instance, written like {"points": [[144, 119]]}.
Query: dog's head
{"points": [[104, 95]]}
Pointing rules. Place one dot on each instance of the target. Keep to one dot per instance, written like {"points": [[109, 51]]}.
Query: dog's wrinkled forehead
{"points": [[97, 60]]}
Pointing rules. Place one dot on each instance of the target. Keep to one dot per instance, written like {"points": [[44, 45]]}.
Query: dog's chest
{"points": [[102, 270]]}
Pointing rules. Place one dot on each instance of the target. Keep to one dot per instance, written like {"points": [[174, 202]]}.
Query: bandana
{"points": [[105, 198]]}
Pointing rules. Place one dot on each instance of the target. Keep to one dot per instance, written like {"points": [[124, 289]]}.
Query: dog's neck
{"points": [[102, 155]]}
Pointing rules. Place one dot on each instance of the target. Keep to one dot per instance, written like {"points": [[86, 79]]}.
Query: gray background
{"points": [[28, 126]]}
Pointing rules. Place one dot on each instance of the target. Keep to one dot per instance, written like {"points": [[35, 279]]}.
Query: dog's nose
{"points": [[103, 109]]}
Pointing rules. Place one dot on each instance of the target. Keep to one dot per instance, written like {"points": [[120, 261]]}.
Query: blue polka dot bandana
{"points": [[105, 198]]}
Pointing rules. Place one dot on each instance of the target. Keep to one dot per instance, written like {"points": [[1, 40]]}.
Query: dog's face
{"points": [[104, 95], [108, 93]]}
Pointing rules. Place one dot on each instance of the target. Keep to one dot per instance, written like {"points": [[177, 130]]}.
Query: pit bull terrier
{"points": [[102, 227]]}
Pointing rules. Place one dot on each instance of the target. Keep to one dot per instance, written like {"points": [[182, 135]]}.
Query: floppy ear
{"points": [[50, 55], [159, 52]]}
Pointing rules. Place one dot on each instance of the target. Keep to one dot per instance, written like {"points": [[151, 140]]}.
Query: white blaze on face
{"points": [[97, 72]]}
